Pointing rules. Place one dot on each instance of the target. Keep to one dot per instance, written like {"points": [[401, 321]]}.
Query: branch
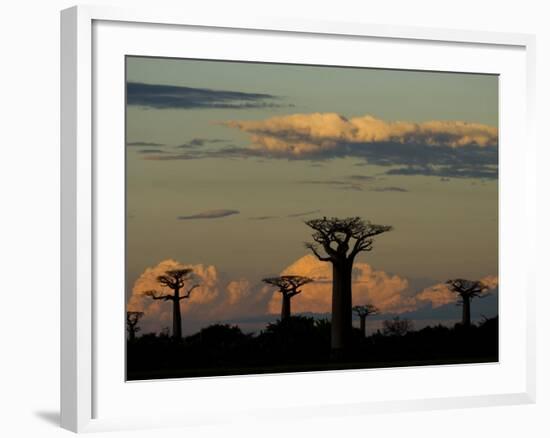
{"points": [[313, 249], [156, 296], [188, 294]]}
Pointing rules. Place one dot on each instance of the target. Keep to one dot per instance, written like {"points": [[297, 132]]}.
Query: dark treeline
{"points": [[299, 343]]}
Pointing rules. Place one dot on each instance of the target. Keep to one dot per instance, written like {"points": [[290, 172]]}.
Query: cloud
{"points": [[362, 178], [150, 151], [451, 171], [178, 97], [145, 143], [391, 293], [434, 148], [157, 312], [303, 213], [336, 184], [389, 189], [263, 218], [309, 133], [386, 291], [198, 142], [210, 214], [223, 300], [217, 299], [440, 294]]}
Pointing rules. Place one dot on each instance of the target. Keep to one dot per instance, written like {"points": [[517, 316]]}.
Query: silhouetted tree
{"points": [[341, 240], [397, 326], [364, 311], [466, 291], [288, 287], [132, 320], [175, 280]]}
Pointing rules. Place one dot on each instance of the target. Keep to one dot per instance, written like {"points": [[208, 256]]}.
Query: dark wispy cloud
{"points": [[171, 96], [362, 178], [150, 144], [263, 218], [389, 189], [198, 142], [150, 151], [456, 170], [303, 213], [351, 182], [210, 214]]}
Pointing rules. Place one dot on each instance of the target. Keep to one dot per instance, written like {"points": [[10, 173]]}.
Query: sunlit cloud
{"points": [[440, 294], [299, 134], [217, 298], [435, 148], [386, 291]]}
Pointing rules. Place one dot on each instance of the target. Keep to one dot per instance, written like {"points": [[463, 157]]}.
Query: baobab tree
{"points": [[132, 320], [174, 280], [466, 291], [288, 287], [338, 241], [364, 311]]}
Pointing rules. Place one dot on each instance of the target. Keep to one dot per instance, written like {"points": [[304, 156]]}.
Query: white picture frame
{"points": [[85, 374]]}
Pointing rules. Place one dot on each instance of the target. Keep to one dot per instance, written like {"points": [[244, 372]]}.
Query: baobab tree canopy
{"points": [[288, 282], [365, 310], [467, 288], [175, 280], [338, 236], [288, 286]]}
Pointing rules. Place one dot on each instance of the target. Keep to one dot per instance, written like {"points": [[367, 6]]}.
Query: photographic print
{"points": [[293, 218]]}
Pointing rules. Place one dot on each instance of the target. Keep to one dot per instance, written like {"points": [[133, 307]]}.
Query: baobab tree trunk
{"points": [[363, 325], [466, 311], [176, 327], [341, 308], [285, 311]]}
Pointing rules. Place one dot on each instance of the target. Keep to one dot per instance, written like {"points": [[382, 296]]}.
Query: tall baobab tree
{"points": [[132, 320], [174, 280], [288, 287], [466, 291], [364, 311], [338, 241]]}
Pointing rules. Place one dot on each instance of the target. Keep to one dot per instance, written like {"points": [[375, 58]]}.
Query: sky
{"points": [[226, 160]]}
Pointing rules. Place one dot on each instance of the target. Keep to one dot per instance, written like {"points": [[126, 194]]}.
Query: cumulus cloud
{"points": [[386, 291], [210, 214], [158, 313], [217, 299], [392, 294], [440, 294], [439, 148], [300, 134], [178, 97]]}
